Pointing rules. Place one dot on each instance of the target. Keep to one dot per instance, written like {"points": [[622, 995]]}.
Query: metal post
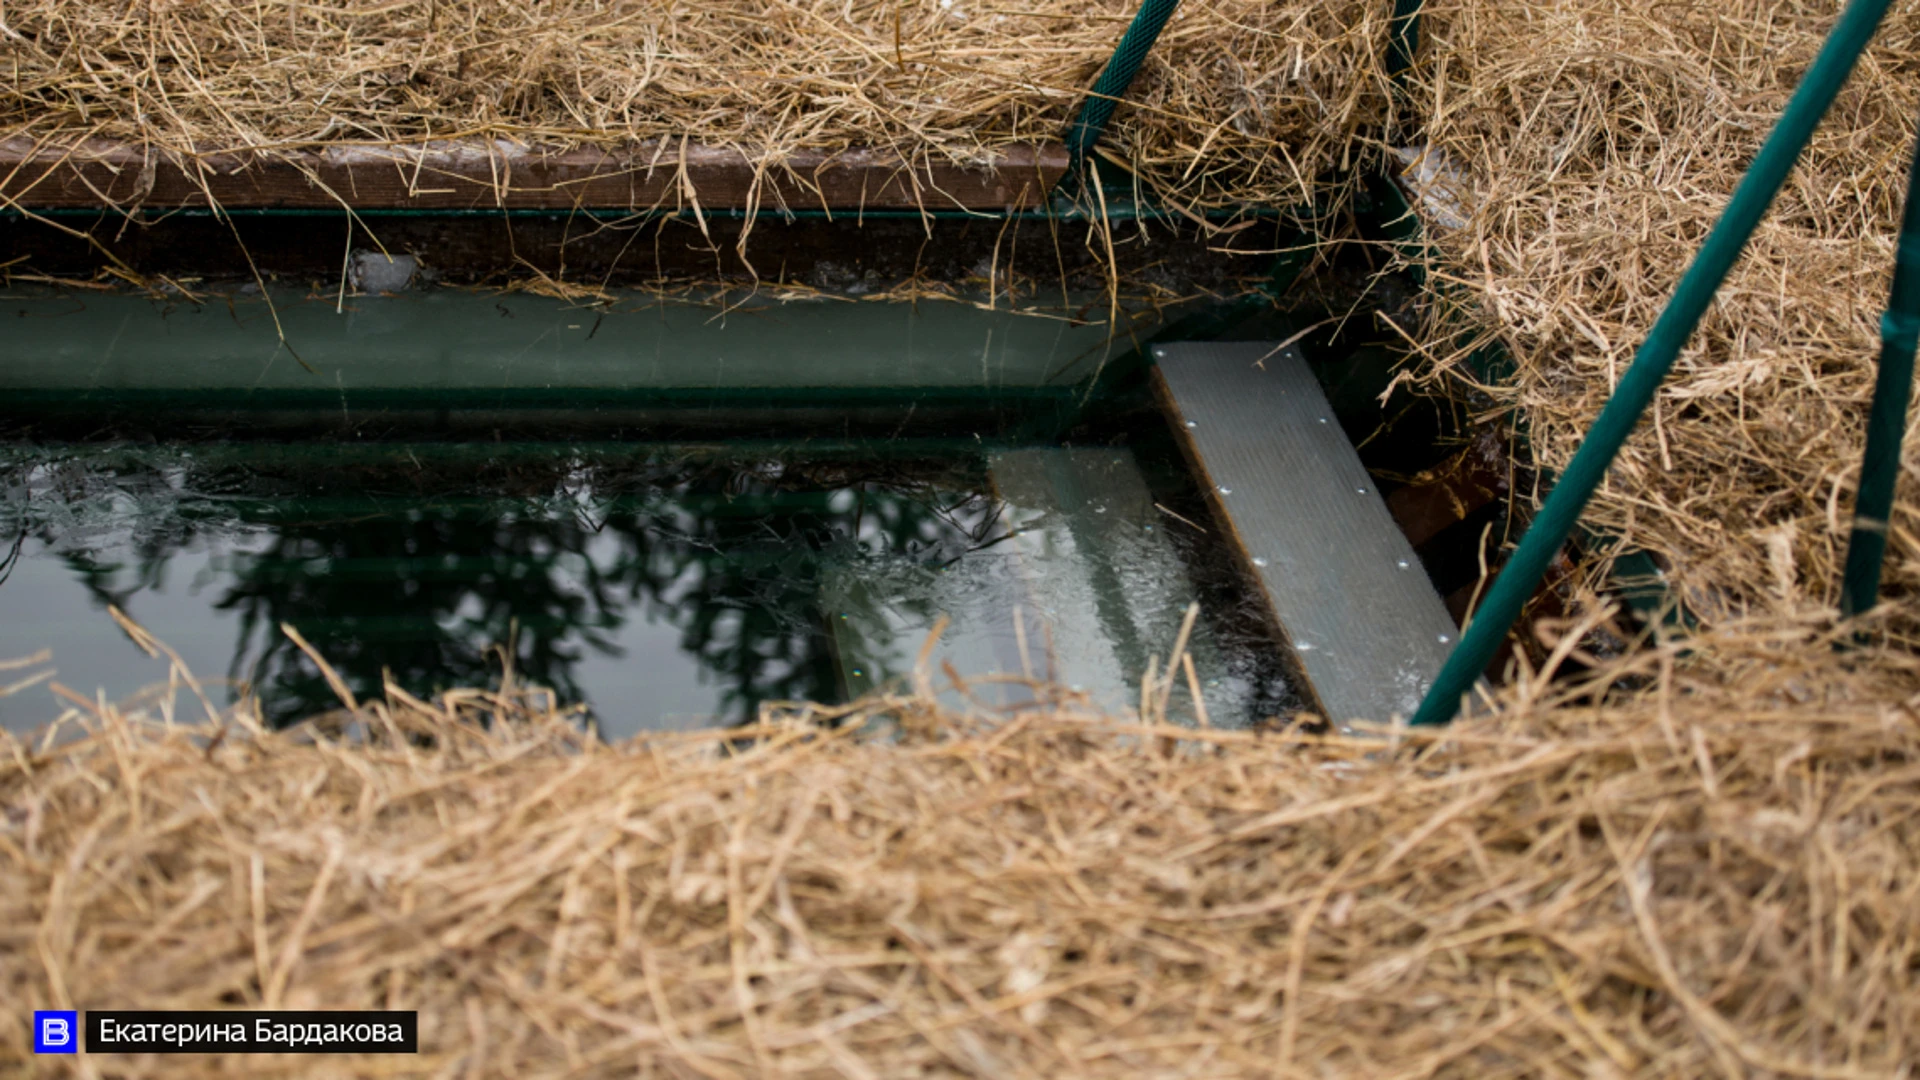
{"points": [[1887, 422]]}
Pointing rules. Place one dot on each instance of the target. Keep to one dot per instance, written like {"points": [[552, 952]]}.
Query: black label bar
{"points": [[132, 1031]]}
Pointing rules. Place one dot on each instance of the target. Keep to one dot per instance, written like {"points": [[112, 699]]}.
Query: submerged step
{"points": [[1344, 584], [1097, 570], [1077, 583]]}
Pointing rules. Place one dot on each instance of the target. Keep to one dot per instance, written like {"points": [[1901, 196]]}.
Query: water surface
{"points": [[660, 585]]}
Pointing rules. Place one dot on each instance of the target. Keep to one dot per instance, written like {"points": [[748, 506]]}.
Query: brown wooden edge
{"points": [[478, 175]]}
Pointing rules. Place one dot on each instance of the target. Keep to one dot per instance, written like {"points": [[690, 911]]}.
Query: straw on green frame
{"points": [[1561, 510], [1087, 128]]}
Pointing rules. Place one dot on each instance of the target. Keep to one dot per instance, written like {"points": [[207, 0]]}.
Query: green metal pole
{"points": [[1755, 193], [1403, 44], [1403, 41], [1887, 422], [1085, 131]]}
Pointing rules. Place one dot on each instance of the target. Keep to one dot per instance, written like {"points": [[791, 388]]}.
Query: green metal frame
{"points": [[1887, 422]]}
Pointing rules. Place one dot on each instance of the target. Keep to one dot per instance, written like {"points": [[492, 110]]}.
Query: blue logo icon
{"points": [[56, 1031]]}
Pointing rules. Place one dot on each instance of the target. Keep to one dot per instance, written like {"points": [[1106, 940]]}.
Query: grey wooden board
{"points": [[1068, 509], [1344, 583], [1104, 588]]}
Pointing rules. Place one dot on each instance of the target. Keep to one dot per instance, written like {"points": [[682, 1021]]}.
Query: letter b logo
{"points": [[54, 1031]]}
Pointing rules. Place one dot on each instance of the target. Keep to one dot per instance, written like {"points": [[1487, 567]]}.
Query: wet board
{"points": [[1083, 564], [1343, 582], [1081, 558], [877, 636]]}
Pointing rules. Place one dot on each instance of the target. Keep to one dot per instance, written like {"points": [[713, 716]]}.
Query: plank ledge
{"points": [[477, 174]]}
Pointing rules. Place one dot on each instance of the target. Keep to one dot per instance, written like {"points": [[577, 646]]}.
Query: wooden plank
{"points": [[1076, 516], [1104, 589], [476, 175], [1343, 582], [1078, 573]]}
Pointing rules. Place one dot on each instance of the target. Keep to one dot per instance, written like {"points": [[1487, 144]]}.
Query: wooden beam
{"points": [[477, 175]]}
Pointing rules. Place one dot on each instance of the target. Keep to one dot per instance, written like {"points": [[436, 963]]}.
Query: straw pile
{"points": [[1595, 143], [1242, 101], [1708, 876]]}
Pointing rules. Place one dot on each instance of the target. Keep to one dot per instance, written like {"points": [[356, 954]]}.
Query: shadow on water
{"points": [[421, 564]]}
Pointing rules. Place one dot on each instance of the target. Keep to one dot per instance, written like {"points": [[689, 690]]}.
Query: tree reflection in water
{"points": [[423, 565]]}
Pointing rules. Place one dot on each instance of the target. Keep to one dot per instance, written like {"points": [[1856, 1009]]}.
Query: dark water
{"points": [[663, 586]]}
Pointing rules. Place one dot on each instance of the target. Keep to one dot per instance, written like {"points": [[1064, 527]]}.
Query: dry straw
{"points": [[1596, 143], [1242, 101], [1709, 876]]}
